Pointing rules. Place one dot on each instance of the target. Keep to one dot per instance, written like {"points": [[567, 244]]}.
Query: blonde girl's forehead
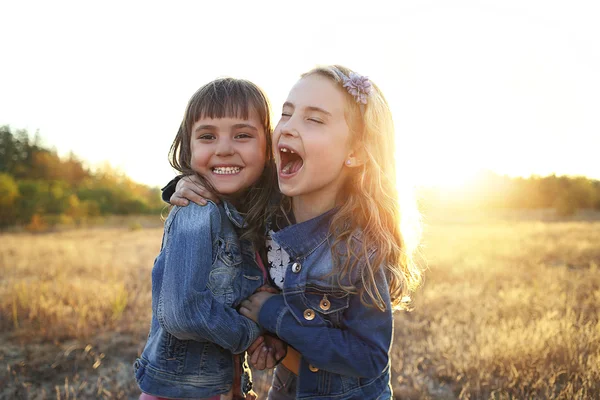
{"points": [[317, 91]]}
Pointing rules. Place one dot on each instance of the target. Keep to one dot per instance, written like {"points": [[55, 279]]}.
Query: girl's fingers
{"points": [[271, 360], [191, 195], [267, 288], [254, 359], [191, 188], [244, 311], [259, 340], [178, 201], [246, 304], [280, 354], [279, 347], [262, 358]]}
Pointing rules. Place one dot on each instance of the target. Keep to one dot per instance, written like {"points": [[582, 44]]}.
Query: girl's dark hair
{"points": [[231, 98]]}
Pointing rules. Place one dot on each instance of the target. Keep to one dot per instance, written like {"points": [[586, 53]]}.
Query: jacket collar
{"points": [[234, 215], [298, 240]]}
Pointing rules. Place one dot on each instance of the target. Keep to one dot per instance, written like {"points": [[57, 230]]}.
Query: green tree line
{"points": [[39, 186], [565, 194]]}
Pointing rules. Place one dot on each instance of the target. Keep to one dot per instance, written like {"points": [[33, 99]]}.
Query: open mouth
{"points": [[226, 170], [291, 162]]}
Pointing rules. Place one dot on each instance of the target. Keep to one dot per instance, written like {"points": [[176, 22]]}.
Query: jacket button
{"points": [[296, 267], [309, 314], [312, 368], [324, 304]]}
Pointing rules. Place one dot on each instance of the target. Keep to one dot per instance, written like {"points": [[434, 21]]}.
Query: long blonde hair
{"points": [[371, 203]]}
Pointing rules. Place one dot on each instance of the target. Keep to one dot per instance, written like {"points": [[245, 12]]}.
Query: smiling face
{"points": [[229, 152], [312, 141]]}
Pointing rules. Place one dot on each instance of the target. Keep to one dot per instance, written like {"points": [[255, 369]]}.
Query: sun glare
{"points": [[438, 170]]}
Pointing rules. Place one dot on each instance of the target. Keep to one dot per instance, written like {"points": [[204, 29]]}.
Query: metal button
{"points": [[309, 314], [324, 304], [312, 368], [296, 267]]}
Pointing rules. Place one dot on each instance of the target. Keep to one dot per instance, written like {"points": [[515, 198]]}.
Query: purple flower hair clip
{"points": [[358, 86]]}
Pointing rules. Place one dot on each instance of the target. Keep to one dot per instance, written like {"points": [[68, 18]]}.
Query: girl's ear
{"points": [[356, 158]]}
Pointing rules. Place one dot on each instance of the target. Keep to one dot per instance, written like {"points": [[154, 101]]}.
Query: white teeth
{"points": [[285, 150], [226, 170]]}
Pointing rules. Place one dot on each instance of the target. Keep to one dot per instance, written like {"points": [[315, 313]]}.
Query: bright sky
{"points": [[512, 85]]}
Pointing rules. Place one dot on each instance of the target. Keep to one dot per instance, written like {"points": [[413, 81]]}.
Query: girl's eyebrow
{"points": [[201, 127], [243, 126], [236, 126], [317, 109], [308, 108]]}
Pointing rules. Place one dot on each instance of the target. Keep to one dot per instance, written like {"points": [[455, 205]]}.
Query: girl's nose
{"points": [[289, 128], [224, 148]]}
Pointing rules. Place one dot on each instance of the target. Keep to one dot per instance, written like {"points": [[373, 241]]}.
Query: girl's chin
{"points": [[228, 190], [288, 189]]}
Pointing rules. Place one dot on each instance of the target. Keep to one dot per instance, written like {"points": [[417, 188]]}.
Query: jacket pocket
{"points": [[174, 350], [220, 283], [229, 252], [329, 304]]}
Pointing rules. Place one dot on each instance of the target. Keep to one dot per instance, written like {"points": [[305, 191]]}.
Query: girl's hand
{"points": [[189, 188], [257, 344], [269, 354], [268, 288], [252, 305]]}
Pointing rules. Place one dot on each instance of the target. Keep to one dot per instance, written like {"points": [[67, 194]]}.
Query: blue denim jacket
{"points": [[201, 275], [344, 344]]}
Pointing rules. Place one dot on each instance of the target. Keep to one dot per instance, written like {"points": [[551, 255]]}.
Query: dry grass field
{"points": [[509, 309]]}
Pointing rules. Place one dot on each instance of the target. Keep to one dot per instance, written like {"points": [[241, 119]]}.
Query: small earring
{"points": [[348, 162]]}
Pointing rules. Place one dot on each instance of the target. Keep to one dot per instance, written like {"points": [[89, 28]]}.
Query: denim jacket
{"points": [[344, 344], [201, 275]]}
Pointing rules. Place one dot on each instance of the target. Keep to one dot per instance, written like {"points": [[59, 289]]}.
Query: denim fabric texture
{"points": [[344, 344], [200, 276], [284, 384]]}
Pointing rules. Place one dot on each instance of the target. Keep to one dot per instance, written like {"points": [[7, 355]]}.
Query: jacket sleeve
{"points": [[359, 349], [187, 308]]}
